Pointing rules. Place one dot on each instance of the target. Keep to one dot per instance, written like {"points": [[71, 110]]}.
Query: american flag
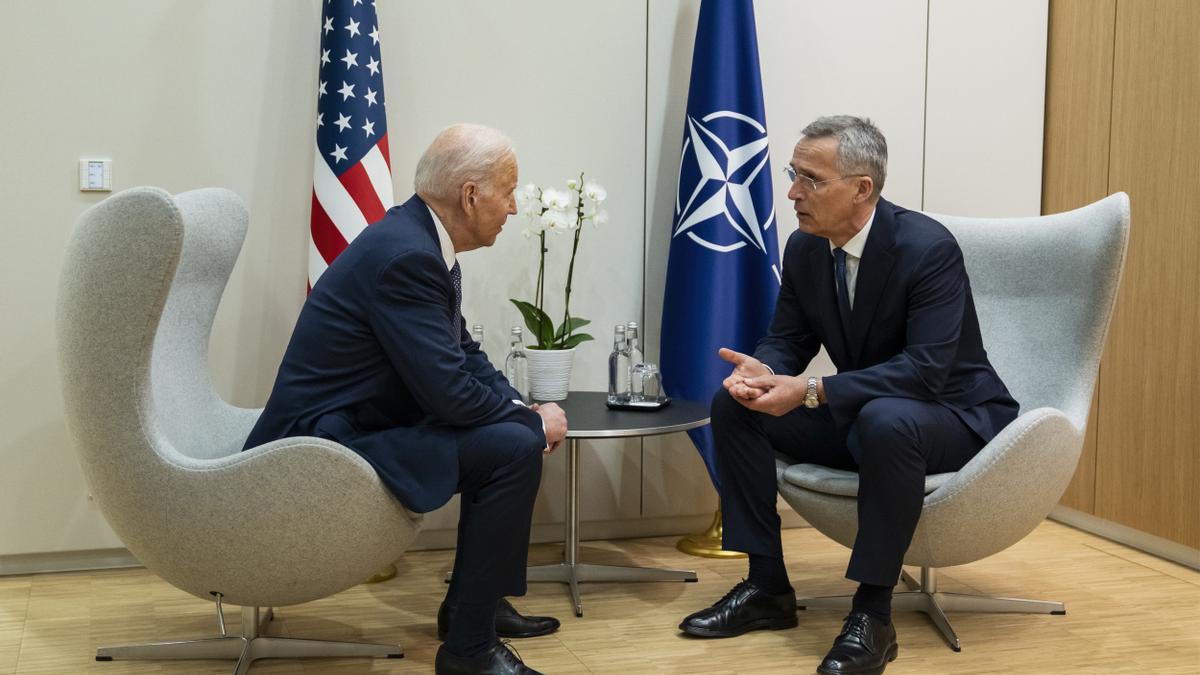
{"points": [[352, 176]]}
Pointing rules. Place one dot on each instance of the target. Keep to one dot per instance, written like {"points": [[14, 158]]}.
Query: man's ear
{"points": [[468, 195], [864, 188]]}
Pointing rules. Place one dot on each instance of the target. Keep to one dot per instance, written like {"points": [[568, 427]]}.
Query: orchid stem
{"points": [[571, 269]]}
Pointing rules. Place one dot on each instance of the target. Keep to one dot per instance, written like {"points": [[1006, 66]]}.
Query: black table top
{"points": [[588, 417]]}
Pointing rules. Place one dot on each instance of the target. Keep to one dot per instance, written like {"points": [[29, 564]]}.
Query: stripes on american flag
{"points": [[352, 177]]}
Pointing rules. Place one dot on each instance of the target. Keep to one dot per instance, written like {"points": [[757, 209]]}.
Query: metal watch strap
{"points": [[810, 399]]}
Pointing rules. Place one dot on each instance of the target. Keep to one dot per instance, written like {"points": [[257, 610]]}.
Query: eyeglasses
{"points": [[808, 184]]}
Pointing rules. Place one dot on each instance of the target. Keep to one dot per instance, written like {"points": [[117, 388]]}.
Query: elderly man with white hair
{"points": [[381, 362]]}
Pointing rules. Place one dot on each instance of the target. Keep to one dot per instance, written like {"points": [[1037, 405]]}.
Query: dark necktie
{"points": [[843, 295], [456, 281]]}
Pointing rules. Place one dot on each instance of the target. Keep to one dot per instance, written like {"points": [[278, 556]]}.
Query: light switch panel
{"points": [[95, 175]]}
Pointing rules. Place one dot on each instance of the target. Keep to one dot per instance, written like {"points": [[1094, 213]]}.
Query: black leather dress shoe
{"points": [[495, 661], [865, 646], [745, 608], [509, 622]]}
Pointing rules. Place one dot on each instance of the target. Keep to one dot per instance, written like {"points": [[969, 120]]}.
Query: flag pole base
{"points": [[382, 575], [707, 544]]}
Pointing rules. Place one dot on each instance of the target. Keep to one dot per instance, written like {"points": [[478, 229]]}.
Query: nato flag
{"points": [[723, 266]]}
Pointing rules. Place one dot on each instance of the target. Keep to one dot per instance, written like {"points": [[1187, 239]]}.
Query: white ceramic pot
{"points": [[549, 373]]}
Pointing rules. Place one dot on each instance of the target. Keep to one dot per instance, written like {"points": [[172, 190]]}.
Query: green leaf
{"points": [[540, 325], [575, 340], [570, 326]]}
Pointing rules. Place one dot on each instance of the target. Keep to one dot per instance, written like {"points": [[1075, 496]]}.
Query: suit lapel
{"points": [[821, 264], [873, 272]]}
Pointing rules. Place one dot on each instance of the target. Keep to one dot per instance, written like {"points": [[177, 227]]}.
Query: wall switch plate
{"points": [[95, 175]]}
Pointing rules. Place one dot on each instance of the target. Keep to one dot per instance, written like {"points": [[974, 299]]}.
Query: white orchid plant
{"points": [[557, 212]]}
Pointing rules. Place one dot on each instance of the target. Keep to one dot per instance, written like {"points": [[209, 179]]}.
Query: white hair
{"points": [[459, 154], [861, 150]]}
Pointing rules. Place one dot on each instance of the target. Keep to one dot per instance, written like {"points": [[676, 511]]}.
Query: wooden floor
{"points": [[1126, 612]]}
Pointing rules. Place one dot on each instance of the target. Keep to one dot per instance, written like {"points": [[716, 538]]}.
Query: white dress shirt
{"points": [[443, 239]]}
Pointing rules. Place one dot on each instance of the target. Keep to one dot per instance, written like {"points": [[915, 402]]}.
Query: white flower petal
{"points": [[528, 193], [595, 191], [555, 199]]}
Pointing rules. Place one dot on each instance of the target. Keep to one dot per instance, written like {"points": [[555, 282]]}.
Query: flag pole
{"points": [[723, 257], [707, 544], [341, 210]]}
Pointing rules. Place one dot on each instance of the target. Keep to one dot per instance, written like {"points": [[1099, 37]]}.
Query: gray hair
{"points": [[459, 154], [862, 149]]}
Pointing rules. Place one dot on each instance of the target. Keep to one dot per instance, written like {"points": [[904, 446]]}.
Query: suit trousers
{"points": [[500, 469], [892, 444]]}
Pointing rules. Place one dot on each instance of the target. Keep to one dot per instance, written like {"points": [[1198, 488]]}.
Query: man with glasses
{"points": [[884, 290]]}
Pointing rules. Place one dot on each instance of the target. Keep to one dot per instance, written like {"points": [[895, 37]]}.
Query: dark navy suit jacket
{"points": [[913, 330], [378, 363]]}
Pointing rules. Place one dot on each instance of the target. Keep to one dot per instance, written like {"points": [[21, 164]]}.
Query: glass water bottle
{"points": [[516, 364], [635, 357], [618, 368]]}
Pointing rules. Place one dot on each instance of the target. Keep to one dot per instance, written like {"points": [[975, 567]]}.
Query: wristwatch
{"points": [[810, 399]]}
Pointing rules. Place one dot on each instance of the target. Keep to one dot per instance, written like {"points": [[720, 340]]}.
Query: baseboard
{"points": [[119, 558], [67, 561], [1123, 534], [603, 529]]}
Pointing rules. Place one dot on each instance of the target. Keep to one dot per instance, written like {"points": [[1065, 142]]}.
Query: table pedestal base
{"points": [[571, 572], [572, 575]]}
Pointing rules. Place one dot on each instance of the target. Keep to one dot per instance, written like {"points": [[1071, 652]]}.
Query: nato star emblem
{"points": [[725, 177]]}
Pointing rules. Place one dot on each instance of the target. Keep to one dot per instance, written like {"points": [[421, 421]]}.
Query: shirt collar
{"points": [[443, 239], [858, 242]]}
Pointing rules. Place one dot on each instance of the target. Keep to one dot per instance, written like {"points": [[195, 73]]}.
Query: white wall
{"points": [[184, 95], [984, 117], [180, 95]]}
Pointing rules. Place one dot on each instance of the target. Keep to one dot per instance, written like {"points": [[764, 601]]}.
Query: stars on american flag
{"points": [[352, 181], [356, 117]]}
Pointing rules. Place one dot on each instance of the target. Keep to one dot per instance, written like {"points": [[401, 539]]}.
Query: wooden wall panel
{"points": [[1079, 70], [1147, 456]]}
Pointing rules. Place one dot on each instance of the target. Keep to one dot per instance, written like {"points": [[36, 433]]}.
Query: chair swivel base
{"points": [[925, 598], [249, 647]]}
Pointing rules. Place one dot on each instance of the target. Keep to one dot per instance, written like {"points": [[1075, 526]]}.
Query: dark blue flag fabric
{"points": [[723, 269]]}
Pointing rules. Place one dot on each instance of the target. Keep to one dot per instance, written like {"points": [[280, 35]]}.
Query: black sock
{"points": [[769, 574], [874, 600], [474, 628]]}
